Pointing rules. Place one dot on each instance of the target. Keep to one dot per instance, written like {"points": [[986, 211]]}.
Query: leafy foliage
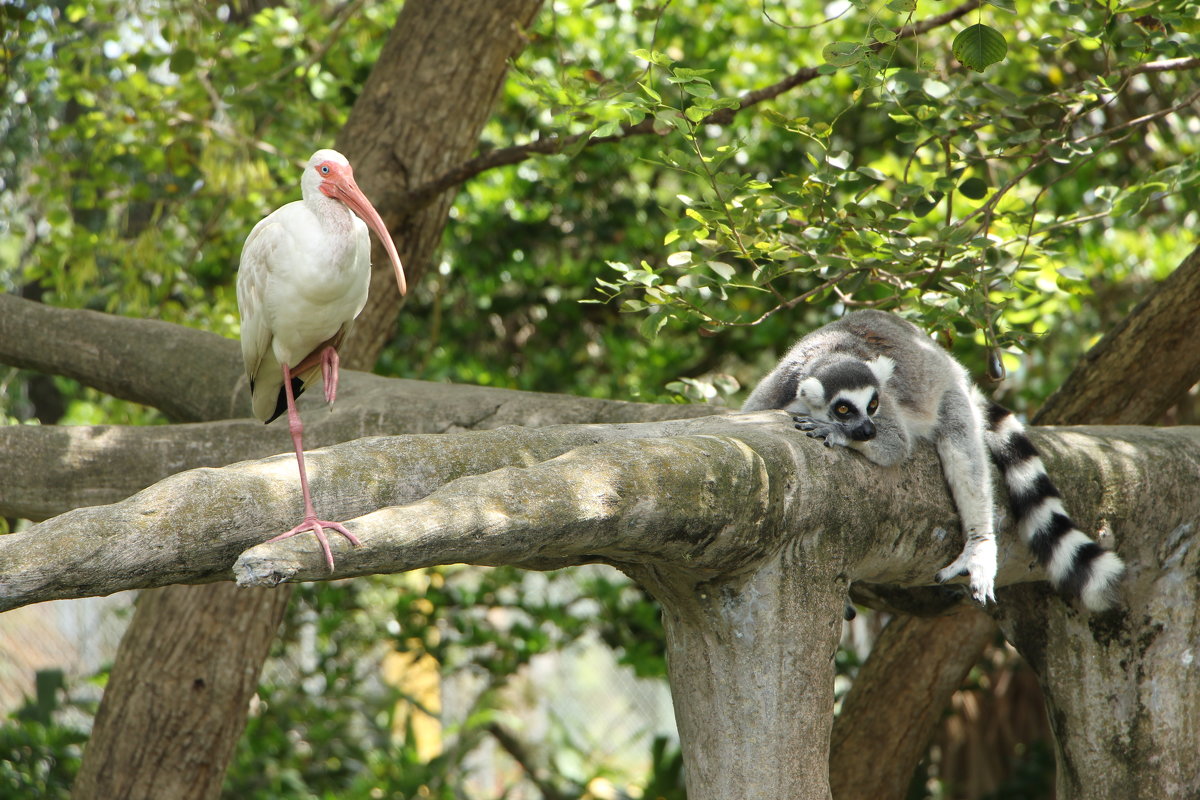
{"points": [[39, 755], [955, 211]]}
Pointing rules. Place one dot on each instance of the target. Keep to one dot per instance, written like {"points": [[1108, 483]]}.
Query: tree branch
{"points": [[186, 373], [623, 502], [1165, 65], [536, 774], [914, 665], [711, 494]]}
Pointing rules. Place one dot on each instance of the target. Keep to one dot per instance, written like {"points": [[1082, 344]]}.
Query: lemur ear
{"points": [[882, 368], [811, 391]]}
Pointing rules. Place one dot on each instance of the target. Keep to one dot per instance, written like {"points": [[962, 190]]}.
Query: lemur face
{"points": [[853, 409], [845, 394]]}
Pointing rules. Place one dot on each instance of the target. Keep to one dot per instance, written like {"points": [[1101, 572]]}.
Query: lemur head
{"points": [[846, 393]]}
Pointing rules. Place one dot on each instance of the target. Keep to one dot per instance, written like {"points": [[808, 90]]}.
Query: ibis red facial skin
{"points": [[302, 281]]}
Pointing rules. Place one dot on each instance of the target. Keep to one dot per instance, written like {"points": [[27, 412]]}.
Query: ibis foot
{"points": [[317, 526]]}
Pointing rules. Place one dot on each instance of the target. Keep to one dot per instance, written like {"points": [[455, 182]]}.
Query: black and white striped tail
{"points": [[1076, 565]]}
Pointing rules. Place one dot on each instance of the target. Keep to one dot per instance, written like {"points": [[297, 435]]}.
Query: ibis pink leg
{"points": [[310, 522]]}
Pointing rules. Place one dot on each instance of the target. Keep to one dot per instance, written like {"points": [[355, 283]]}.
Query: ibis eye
{"points": [[324, 169]]}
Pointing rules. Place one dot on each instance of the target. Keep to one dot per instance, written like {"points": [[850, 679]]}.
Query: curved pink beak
{"points": [[341, 186]]}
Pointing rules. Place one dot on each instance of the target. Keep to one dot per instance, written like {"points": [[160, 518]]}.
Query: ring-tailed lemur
{"points": [[875, 383]]}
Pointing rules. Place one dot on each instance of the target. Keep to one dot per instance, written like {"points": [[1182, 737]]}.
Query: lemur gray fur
{"points": [[876, 383]]}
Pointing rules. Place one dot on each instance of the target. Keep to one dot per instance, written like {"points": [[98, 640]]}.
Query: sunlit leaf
{"points": [[979, 46]]}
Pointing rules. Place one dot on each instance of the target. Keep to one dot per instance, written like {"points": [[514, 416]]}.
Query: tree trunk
{"points": [[424, 103], [183, 699], [889, 715], [420, 113], [750, 660]]}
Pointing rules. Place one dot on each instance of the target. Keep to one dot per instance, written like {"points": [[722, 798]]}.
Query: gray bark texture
{"points": [[729, 521]]}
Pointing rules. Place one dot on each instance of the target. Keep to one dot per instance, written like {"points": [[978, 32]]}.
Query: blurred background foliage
{"points": [[1042, 193]]}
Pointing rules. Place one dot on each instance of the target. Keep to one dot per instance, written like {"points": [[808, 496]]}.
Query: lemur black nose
{"points": [[864, 432]]}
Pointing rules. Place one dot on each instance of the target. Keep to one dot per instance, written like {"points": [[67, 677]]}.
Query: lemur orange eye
{"points": [[843, 409]]}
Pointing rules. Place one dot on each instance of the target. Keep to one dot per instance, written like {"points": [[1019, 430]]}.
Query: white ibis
{"points": [[302, 281]]}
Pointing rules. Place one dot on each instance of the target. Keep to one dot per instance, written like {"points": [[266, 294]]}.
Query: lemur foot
{"points": [[978, 561], [830, 435]]}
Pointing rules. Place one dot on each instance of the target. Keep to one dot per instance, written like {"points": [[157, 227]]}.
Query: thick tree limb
{"points": [[622, 502], [187, 374], [190, 527], [897, 700]]}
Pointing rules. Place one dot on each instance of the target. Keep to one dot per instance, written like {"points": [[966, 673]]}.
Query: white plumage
{"points": [[302, 280]]}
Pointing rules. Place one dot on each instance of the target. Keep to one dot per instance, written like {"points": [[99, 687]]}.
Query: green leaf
{"points": [[843, 54], [979, 46], [182, 61], [872, 173], [653, 56], [607, 129], [1135, 198], [974, 188], [926, 204], [686, 75]]}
